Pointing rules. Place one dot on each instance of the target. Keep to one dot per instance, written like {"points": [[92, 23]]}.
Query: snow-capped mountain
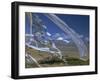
{"points": [[61, 37], [64, 40]]}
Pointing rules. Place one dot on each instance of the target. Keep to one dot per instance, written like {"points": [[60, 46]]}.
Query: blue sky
{"points": [[79, 23]]}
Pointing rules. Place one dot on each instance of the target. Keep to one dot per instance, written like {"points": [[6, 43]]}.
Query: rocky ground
{"points": [[46, 59]]}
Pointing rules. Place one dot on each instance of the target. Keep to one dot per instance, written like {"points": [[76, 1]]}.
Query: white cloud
{"points": [[44, 26], [48, 34]]}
